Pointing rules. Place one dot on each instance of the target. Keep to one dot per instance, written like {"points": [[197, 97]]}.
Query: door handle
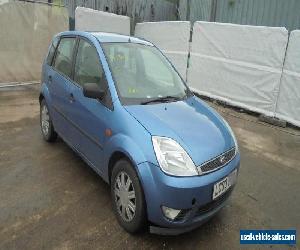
{"points": [[71, 98], [49, 79]]}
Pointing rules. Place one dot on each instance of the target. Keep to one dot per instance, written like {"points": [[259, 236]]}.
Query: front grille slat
{"points": [[218, 162]]}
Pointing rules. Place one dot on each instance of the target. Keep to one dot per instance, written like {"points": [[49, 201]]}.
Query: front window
{"points": [[142, 74], [87, 66], [63, 58], [88, 69]]}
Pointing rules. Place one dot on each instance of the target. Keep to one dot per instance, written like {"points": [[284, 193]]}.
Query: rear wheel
{"points": [[128, 198], [46, 124]]}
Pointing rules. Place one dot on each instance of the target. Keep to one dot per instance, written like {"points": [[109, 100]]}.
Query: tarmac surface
{"points": [[50, 199]]}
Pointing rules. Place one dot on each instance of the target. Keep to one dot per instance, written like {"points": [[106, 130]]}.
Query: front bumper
{"points": [[193, 195]]}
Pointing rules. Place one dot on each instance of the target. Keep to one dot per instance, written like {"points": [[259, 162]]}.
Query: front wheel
{"points": [[47, 128], [127, 197]]}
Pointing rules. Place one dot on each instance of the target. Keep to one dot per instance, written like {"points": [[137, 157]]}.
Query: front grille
{"points": [[184, 213], [213, 204], [218, 162]]}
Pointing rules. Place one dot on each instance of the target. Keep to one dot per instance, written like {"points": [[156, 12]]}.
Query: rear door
{"points": [[91, 117], [59, 80]]}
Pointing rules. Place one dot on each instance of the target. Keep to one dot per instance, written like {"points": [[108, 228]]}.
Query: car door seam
{"points": [[78, 128], [83, 156], [137, 120]]}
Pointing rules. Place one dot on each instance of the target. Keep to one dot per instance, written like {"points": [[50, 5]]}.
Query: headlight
{"points": [[172, 158]]}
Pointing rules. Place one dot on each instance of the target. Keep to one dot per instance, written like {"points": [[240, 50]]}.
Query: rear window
{"points": [[52, 50]]}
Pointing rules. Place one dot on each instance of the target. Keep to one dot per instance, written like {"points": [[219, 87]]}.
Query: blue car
{"points": [[171, 161]]}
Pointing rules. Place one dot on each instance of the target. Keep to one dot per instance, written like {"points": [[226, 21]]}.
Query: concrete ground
{"points": [[50, 199]]}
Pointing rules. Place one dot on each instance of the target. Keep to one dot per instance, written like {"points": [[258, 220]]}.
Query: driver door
{"points": [[90, 116]]}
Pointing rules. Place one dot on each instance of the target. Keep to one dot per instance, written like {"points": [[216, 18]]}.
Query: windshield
{"points": [[142, 74]]}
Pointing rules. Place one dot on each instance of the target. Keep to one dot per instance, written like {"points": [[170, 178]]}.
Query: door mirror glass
{"points": [[92, 90]]}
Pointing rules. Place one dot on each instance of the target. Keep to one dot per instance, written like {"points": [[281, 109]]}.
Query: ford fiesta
{"points": [[171, 161]]}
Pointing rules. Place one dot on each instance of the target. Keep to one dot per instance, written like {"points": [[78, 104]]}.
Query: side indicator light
{"points": [[108, 132]]}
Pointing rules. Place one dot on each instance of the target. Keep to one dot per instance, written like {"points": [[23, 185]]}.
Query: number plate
{"points": [[222, 186]]}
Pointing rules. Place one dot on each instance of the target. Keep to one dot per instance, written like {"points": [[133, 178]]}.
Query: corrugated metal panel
{"points": [[285, 13], [138, 10], [282, 13], [195, 10], [182, 9], [200, 10]]}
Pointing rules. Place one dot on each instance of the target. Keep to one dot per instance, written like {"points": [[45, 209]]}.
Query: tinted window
{"points": [[87, 67], [52, 50], [63, 58]]}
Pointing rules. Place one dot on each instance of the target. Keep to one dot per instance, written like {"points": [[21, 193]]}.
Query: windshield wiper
{"points": [[167, 98]]}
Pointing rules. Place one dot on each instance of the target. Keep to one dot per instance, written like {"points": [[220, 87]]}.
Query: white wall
{"points": [[238, 64], [171, 37], [93, 20], [288, 105], [25, 34]]}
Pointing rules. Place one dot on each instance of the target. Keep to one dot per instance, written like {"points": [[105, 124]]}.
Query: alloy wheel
{"points": [[45, 120], [125, 196]]}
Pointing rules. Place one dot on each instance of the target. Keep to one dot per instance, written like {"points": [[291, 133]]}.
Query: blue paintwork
{"points": [[191, 122], [178, 192], [198, 129]]}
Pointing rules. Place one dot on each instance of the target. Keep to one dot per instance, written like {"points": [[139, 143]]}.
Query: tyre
{"points": [[46, 124], [127, 197]]}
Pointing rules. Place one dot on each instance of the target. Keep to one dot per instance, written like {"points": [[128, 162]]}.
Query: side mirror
{"points": [[92, 90]]}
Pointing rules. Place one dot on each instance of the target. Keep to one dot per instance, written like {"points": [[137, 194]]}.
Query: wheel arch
{"points": [[121, 146], [114, 158], [44, 94]]}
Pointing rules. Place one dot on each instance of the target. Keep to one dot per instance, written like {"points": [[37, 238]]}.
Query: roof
{"points": [[103, 37]]}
